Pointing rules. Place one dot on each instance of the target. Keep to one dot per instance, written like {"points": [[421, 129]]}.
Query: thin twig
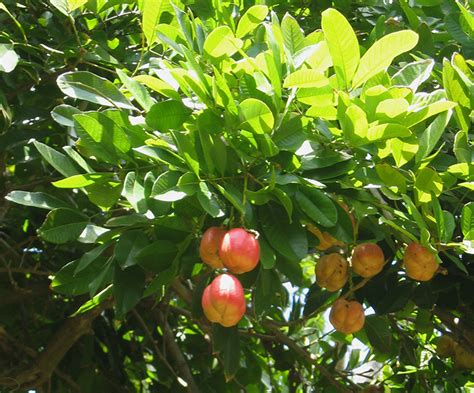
{"points": [[25, 271], [283, 338], [157, 350]]}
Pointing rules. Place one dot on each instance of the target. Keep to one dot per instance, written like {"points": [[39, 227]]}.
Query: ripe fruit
{"points": [[331, 272], [367, 259], [325, 239], [239, 251], [420, 263], [223, 300], [347, 316], [209, 246]]}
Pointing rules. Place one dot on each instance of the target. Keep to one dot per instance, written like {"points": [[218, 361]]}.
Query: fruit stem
{"points": [[244, 199]]}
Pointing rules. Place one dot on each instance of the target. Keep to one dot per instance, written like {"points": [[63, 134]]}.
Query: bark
{"points": [[57, 347]]}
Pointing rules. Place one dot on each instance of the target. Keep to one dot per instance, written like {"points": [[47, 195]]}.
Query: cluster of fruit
{"points": [[238, 250], [332, 273]]}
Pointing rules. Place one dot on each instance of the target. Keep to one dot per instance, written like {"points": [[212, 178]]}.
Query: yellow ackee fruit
{"points": [[332, 272], [347, 316], [420, 263]]}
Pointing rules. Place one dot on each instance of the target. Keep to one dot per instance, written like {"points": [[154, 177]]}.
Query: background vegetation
{"points": [[129, 127]]}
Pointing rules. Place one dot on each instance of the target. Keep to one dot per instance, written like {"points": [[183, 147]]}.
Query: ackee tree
{"points": [[226, 196]]}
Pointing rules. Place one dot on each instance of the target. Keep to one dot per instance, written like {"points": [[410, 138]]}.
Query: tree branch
{"points": [[176, 354], [61, 342], [152, 341]]}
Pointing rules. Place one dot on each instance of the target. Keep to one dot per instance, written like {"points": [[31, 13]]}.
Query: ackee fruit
{"points": [[420, 263], [239, 251], [347, 316], [332, 272], [209, 246], [223, 300], [367, 259]]}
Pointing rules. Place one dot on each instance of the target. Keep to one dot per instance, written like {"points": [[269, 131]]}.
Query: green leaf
{"points": [[306, 79], [382, 53], [162, 154], [343, 46], [467, 221], [413, 74], [227, 344], [439, 218], [158, 256], [137, 90], [79, 181], [128, 246], [319, 58], [285, 200], [63, 114], [269, 292], [391, 177], [317, 206], [78, 159], [379, 333], [134, 192], [152, 11], [209, 201], [56, 159], [165, 187], [428, 181], [431, 135], [221, 42], [430, 110], [402, 150], [167, 115], [104, 194], [95, 301], [67, 282], [355, 125], [343, 230], [251, 19], [387, 131], [292, 243], [233, 195], [256, 116], [63, 225], [101, 137], [35, 199], [129, 285], [413, 211], [267, 255], [87, 86], [187, 149], [67, 6], [89, 257], [457, 91], [392, 109], [158, 85], [462, 149], [463, 170], [293, 37]]}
